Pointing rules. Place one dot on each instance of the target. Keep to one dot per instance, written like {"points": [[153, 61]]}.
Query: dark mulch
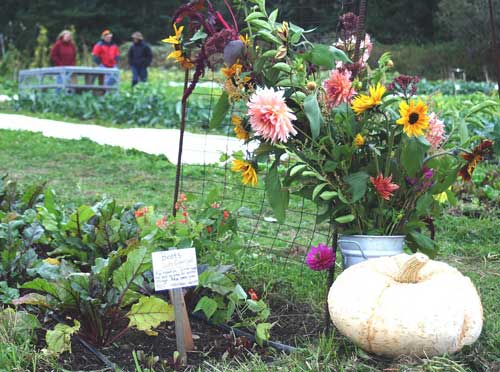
{"points": [[294, 324]]}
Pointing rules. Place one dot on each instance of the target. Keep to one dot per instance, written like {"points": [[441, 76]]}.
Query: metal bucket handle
{"points": [[357, 245]]}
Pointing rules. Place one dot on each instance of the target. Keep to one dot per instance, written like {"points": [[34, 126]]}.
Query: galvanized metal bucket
{"points": [[358, 248]]}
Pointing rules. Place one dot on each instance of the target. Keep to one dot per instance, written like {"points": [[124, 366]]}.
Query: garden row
{"points": [[91, 267]]}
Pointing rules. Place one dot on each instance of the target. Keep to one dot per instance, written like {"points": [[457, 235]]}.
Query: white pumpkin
{"points": [[406, 305]]}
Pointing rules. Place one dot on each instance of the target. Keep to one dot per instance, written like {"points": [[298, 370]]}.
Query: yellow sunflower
{"points": [[249, 175], [175, 39], [239, 130], [413, 117], [365, 102], [359, 140]]}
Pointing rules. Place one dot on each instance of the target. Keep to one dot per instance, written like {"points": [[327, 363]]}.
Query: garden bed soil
{"points": [[294, 324]]}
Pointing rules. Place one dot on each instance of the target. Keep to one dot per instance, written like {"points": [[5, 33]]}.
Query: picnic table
{"points": [[71, 79]]}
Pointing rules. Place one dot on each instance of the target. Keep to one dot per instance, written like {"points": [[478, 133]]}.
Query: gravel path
{"points": [[198, 148]]}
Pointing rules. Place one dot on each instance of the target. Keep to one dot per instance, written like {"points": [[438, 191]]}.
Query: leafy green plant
{"points": [[20, 232], [88, 232], [228, 302], [103, 299]]}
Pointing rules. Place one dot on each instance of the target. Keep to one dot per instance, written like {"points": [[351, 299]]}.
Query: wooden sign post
{"points": [[174, 270], [183, 334]]}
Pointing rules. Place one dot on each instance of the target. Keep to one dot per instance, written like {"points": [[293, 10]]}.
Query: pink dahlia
{"points": [[270, 117], [320, 258], [435, 133], [338, 88]]}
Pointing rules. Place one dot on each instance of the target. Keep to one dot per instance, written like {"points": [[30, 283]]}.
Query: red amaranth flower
{"points": [[384, 186], [320, 258], [226, 214], [210, 229]]}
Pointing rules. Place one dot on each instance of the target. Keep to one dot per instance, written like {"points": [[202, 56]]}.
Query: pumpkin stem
{"points": [[410, 269]]}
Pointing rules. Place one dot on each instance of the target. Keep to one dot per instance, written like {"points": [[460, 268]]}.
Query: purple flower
{"points": [[320, 258], [428, 172]]}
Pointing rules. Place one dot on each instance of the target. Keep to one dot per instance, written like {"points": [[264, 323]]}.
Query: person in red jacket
{"points": [[106, 52], [63, 52]]}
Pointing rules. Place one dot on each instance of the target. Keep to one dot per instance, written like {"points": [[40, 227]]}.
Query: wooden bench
{"points": [[71, 79]]}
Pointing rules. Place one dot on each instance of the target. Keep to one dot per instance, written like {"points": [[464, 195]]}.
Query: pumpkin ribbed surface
{"points": [[437, 310]]}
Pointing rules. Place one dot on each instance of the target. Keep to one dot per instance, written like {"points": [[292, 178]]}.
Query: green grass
{"points": [[81, 172]]}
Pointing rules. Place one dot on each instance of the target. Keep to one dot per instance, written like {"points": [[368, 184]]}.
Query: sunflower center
{"points": [[413, 118]]}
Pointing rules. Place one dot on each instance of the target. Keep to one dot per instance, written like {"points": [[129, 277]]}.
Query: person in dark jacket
{"points": [[139, 58], [63, 52]]}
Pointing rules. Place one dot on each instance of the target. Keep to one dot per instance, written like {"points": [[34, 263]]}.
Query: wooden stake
{"points": [[183, 334]]}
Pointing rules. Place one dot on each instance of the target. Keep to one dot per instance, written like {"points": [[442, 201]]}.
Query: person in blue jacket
{"points": [[140, 57]]}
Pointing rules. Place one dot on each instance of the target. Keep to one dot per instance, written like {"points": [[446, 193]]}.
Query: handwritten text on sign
{"points": [[175, 269]]}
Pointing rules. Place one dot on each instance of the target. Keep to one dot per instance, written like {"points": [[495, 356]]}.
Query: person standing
{"points": [[106, 54], [63, 52], [139, 58]]}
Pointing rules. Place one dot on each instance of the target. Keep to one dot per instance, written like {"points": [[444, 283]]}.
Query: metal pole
{"points": [[494, 43]]}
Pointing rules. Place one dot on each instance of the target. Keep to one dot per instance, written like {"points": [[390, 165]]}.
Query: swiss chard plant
{"points": [[89, 232], [108, 301], [20, 233]]}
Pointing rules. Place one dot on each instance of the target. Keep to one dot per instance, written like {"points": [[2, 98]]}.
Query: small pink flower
{"points": [[215, 205], [270, 117], [435, 134], [320, 258], [384, 186], [338, 88]]}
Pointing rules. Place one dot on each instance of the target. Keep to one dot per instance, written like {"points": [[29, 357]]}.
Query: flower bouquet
{"points": [[370, 153]]}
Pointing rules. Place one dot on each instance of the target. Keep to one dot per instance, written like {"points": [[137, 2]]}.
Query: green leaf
{"points": [[359, 184], [416, 240], [199, 35], [138, 261], [318, 189], [254, 15], [262, 5], [278, 197], [149, 312], [273, 16], [59, 339], [345, 219], [7, 294], [220, 111], [328, 195], [263, 333], [412, 155], [20, 324], [42, 285], [79, 217], [261, 24], [207, 305], [216, 281], [313, 113], [268, 36], [326, 56], [297, 168], [281, 66], [240, 292]]}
